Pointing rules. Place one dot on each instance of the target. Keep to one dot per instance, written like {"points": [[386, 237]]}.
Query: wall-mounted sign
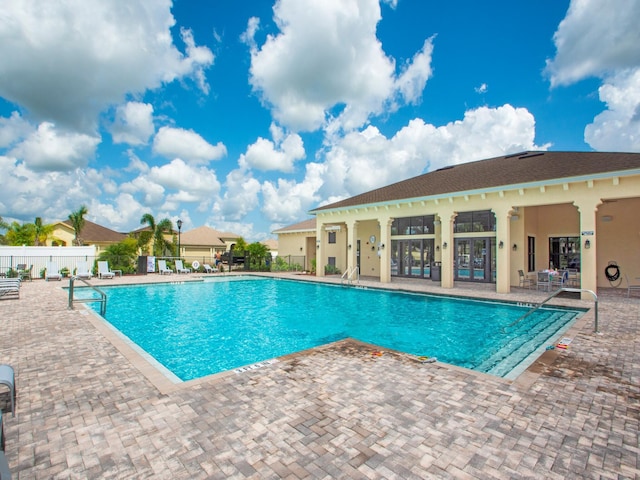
{"points": [[587, 233]]}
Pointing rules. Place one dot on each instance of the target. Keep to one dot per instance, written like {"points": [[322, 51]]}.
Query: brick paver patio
{"points": [[88, 407]]}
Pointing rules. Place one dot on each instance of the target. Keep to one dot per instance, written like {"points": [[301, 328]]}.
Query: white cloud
{"points": [[68, 60], [600, 38], [13, 129], [133, 123], [365, 160], [348, 77], [176, 142], [596, 38], [50, 149], [51, 195], [287, 200], [618, 127], [277, 155], [483, 88], [240, 198]]}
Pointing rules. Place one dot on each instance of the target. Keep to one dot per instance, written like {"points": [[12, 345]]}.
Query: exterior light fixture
{"points": [[501, 244], [349, 246], [515, 247], [437, 248], [444, 245], [587, 243], [382, 246]]}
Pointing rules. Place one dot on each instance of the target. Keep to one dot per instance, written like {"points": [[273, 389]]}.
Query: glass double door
{"points": [[412, 258], [474, 259]]}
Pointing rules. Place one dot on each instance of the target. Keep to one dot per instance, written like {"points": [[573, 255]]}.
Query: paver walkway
{"points": [[86, 410]]}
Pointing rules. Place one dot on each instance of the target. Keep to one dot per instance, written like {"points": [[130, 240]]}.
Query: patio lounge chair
{"points": [[163, 269], [8, 378], [208, 268], [53, 273], [631, 287], [9, 289], [104, 271], [82, 271], [180, 268]]}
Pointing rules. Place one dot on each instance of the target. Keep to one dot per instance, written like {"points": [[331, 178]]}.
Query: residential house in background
{"points": [[91, 234], [205, 242]]}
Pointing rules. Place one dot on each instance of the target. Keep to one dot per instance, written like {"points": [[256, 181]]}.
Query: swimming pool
{"points": [[196, 329]]}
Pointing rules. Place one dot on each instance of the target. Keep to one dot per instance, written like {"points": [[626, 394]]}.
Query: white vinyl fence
{"points": [[63, 257]]}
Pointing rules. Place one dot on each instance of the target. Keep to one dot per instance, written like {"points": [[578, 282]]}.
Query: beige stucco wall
{"points": [[298, 247]]}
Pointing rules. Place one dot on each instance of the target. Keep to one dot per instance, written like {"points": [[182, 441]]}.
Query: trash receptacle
{"points": [[142, 265], [436, 268]]}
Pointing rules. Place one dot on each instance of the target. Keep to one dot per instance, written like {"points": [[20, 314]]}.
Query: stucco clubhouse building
{"points": [[483, 221]]}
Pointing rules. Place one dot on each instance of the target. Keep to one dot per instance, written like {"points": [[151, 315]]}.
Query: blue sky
{"points": [[245, 115]]}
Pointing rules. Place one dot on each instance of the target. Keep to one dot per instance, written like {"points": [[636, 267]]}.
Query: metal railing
{"points": [[102, 299], [554, 294], [349, 274]]}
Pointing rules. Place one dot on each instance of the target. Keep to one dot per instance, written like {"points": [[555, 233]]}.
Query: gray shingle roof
{"points": [[517, 169]]}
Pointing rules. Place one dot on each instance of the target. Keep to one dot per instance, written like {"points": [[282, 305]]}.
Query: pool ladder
{"points": [[575, 290], [102, 299], [349, 275]]}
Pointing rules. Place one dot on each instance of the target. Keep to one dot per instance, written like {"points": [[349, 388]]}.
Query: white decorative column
{"points": [[587, 207]]}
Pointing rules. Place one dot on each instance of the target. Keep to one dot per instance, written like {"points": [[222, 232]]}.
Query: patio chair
{"points": [[104, 271], [163, 269], [82, 271], [631, 287], [559, 280], [208, 268], [53, 272], [524, 281], [180, 268], [8, 378], [24, 273], [543, 281]]}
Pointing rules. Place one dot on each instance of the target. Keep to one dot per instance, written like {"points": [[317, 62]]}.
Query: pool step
{"points": [[530, 336]]}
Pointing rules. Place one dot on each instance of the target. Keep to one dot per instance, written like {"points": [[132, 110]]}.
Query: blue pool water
{"points": [[200, 328]]}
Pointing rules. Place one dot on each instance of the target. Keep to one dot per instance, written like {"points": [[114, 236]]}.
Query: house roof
{"points": [[512, 170], [205, 236], [92, 233], [303, 226], [272, 244]]}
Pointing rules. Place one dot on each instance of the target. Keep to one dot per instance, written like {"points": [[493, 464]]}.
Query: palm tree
{"points": [[3, 226], [77, 222], [42, 232], [158, 230]]}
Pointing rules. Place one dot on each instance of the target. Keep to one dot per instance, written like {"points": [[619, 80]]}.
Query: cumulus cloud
{"points": [[13, 129], [133, 123], [365, 160], [240, 198], [596, 38], [26, 194], [50, 149], [618, 127], [279, 154], [600, 38], [348, 77], [65, 61], [176, 142]]}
